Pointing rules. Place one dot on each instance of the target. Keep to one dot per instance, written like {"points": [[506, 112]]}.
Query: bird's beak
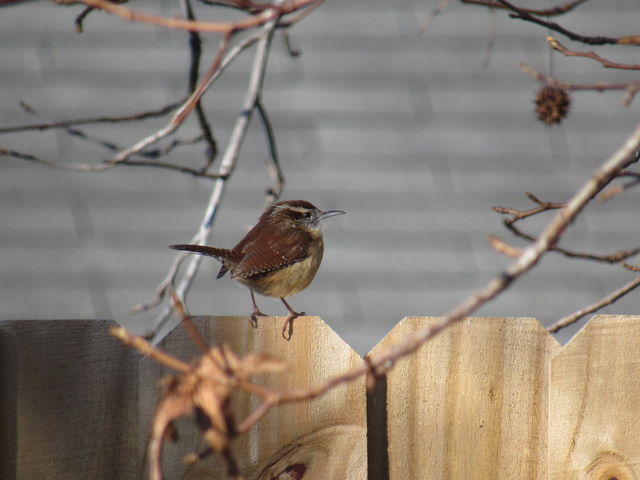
{"points": [[330, 213]]}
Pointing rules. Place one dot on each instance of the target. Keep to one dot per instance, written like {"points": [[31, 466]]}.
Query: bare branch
{"points": [[611, 192], [145, 348], [214, 71], [556, 45], [520, 214], [624, 156], [548, 12], [195, 47], [591, 40], [181, 311], [80, 18], [227, 28], [273, 164], [608, 300], [615, 257], [630, 88], [65, 166], [107, 165], [83, 121], [226, 167]]}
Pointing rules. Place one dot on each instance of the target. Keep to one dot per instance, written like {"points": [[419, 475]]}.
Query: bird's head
{"points": [[299, 214]]}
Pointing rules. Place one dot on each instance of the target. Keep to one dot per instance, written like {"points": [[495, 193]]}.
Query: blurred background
{"points": [[416, 135]]}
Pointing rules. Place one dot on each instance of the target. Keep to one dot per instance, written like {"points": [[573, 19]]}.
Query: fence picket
{"points": [[595, 402], [327, 436], [470, 404], [489, 398], [68, 401]]}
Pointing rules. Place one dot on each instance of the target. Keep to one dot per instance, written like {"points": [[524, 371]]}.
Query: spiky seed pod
{"points": [[552, 104]]}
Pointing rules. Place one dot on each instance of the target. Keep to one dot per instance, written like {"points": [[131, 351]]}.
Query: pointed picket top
{"points": [[595, 402], [306, 433], [472, 402]]}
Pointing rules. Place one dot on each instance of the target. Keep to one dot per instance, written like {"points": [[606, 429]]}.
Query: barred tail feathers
{"points": [[218, 253]]}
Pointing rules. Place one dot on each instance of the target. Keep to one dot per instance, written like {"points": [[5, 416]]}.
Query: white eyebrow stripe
{"points": [[299, 209]]}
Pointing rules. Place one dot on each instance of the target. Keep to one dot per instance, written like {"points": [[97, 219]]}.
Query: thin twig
{"points": [[286, 39], [516, 215], [75, 132], [590, 40], [608, 300], [195, 47], [226, 28], [187, 107], [78, 167], [273, 162], [196, 172], [145, 348], [226, 167], [615, 257], [80, 18], [181, 311], [556, 45], [544, 206], [107, 165], [305, 11], [548, 12], [385, 358], [83, 121], [630, 88]]}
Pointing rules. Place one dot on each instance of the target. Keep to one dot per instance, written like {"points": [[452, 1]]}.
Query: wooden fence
{"points": [[490, 398]]}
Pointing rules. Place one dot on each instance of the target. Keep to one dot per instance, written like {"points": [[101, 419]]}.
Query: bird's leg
{"points": [[287, 328], [256, 311]]}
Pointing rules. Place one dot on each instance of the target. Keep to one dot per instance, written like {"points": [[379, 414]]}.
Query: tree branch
{"points": [[556, 45], [226, 28], [83, 121], [625, 155], [631, 88], [273, 163], [548, 12], [226, 167], [590, 40], [195, 47], [608, 300]]}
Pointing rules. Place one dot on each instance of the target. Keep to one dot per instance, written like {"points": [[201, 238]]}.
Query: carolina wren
{"points": [[278, 257]]}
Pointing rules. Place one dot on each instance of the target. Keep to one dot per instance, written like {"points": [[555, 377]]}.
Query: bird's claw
{"points": [[254, 317], [287, 328]]}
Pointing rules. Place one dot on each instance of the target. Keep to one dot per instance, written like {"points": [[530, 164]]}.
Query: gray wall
{"points": [[411, 134]]}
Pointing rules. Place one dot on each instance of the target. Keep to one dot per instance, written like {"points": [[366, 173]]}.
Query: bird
{"points": [[278, 257]]}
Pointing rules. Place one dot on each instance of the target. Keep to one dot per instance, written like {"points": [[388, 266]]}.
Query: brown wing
{"points": [[273, 250]]}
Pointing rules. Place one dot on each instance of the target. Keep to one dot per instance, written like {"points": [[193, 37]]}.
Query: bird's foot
{"points": [[254, 317], [287, 328]]}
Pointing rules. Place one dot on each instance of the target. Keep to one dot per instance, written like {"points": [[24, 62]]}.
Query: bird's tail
{"points": [[219, 253]]}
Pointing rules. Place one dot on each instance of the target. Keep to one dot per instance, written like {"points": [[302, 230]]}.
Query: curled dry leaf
{"points": [[204, 391]]}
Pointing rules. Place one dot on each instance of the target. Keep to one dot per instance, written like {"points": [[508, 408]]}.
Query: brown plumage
{"points": [[278, 257]]}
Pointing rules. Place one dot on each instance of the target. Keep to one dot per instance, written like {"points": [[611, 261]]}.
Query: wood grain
{"points": [[68, 401], [472, 403], [327, 435], [595, 403]]}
